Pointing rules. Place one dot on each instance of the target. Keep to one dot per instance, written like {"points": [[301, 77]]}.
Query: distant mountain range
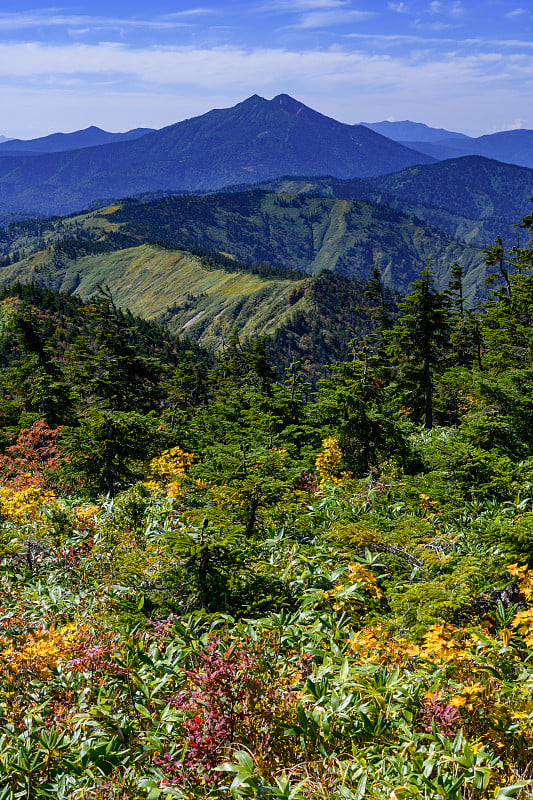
{"points": [[267, 182], [255, 141], [511, 147], [408, 131], [63, 142]]}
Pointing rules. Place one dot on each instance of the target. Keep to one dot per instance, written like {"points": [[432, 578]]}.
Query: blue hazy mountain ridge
{"points": [[407, 131], [255, 140], [510, 147], [474, 186], [61, 142]]}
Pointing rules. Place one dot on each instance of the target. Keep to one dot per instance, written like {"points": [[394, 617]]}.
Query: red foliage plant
{"points": [[231, 696], [32, 459], [445, 716], [212, 702]]}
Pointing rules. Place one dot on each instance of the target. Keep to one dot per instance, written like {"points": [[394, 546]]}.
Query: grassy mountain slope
{"points": [[313, 319], [255, 140], [151, 281], [307, 233]]}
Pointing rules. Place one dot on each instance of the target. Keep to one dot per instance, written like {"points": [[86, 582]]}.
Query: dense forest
{"points": [[220, 580]]}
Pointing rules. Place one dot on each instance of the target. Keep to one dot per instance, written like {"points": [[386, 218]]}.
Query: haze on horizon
{"points": [[464, 65]]}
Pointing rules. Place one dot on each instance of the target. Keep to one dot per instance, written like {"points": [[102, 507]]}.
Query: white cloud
{"points": [[456, 10], [53, 19], [124, 87], [327, 19], [517, 125], [518, 12], [453, 10], [222, 66], [317, 13], [302, 5], [400, 8], [189, 12], [401, 39]]}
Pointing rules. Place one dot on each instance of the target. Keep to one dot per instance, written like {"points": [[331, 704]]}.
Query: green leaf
{"points": [[509, 791]]}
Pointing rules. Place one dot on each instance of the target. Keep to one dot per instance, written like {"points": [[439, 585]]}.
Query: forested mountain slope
{"points": [[306, 233], [472, 198]]}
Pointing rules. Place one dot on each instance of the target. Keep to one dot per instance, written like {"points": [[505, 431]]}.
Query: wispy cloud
{"points": [[517, 12], [400, 39], [301, 5], [189, 12], [457, 10], [453, 10], [56, 19], [313, 14], [223, 66], [334, 18], [516, 125]]}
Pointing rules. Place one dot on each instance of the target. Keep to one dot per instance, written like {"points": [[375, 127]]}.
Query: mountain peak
{"points": [[288, 103], [252, 100]]}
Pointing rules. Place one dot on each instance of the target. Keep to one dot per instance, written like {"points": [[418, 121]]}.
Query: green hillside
{"points": [[304, 232], [478, 229], [152, 281], [299, 232], [313, 319]]}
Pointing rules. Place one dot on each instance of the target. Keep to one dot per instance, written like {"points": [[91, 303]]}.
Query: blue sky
{"points": [[464, 65]]}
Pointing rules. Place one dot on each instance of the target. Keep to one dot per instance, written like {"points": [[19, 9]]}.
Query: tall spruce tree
{"points": [[419, 341]]}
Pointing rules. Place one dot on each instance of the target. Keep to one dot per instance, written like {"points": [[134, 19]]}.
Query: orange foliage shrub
{"points": [[32, 459]]}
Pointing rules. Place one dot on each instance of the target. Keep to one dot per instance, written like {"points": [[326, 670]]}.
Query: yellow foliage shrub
{"points": [[41, 651], [167, 470], [446, 643], [24, 505], [376, 643], [328, 460], [525, 579]]}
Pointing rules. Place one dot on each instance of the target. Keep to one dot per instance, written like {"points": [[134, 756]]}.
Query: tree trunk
{"points": [[428, 394]]}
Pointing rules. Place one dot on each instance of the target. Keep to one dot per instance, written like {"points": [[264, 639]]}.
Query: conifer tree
{"points": [[508, 317], [118, 389], [465, 336], [35, 380], [420, 339]]}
